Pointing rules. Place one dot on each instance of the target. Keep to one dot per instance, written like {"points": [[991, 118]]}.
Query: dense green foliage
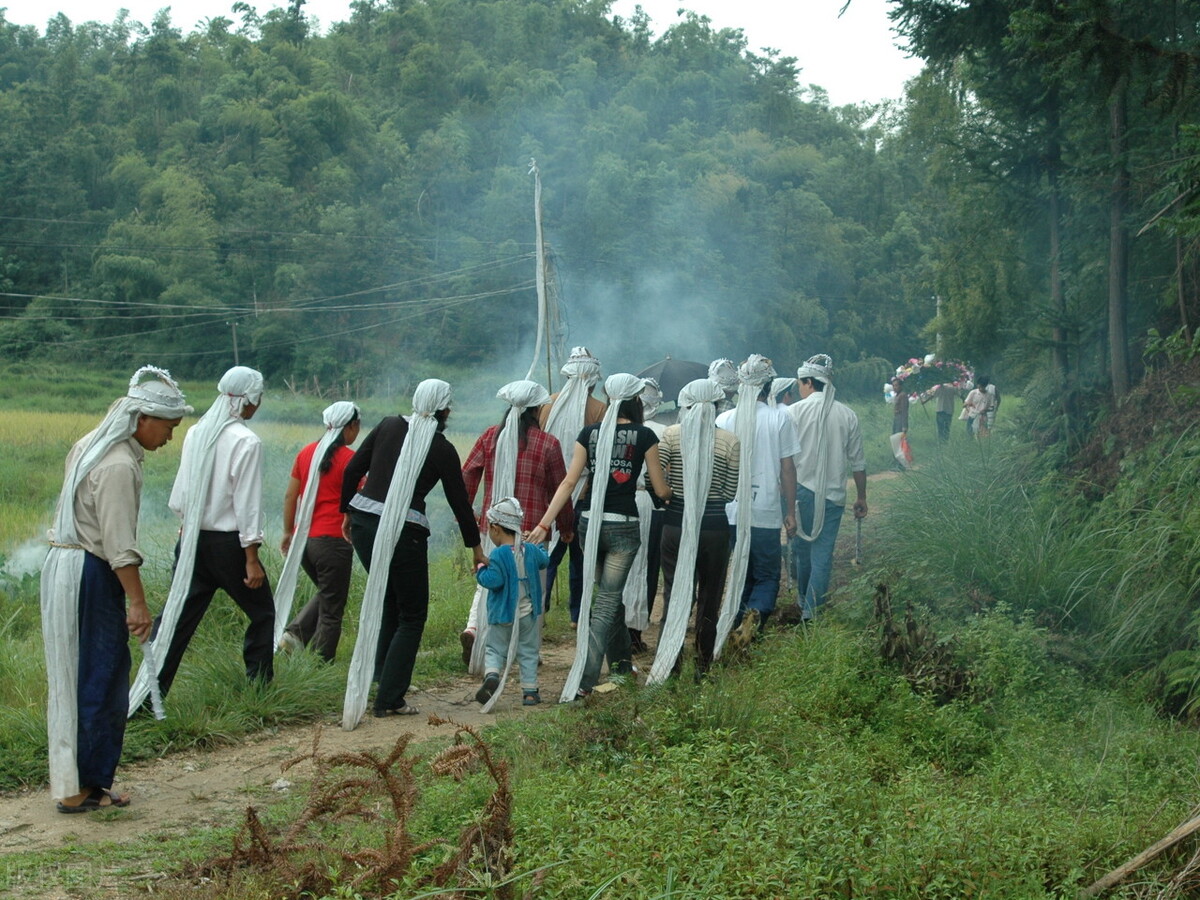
{"points": [[346, 205], [352, 199]]}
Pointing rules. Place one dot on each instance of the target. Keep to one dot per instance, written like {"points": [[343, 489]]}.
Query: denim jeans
{"points": [[814, 560], [761, 589], [607, 634], [574, 573], [529, 644]]}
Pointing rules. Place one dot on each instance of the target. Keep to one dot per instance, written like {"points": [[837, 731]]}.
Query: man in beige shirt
{"points": [[104, 480]]}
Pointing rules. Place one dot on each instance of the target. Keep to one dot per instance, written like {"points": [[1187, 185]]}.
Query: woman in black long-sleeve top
{"points": [[406, 603]]}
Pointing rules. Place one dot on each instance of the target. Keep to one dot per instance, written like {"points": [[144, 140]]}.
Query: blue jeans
{"points": [[607, 634], [529, 643], [762, 572], [574, 573], [814, 561]]}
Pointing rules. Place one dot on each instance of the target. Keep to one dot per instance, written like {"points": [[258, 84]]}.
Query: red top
{"points": [[540, 470], [327, 517]]}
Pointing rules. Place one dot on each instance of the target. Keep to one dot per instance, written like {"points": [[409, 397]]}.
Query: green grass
{"points": [[813, 770]]}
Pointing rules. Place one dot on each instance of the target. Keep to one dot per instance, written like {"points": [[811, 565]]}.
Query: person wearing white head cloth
{"points": [[92, 569], [831, 449], [767, 474], [642, 584], [403, 459], [616, 448], [701, 465], [218, 494], [725, 374], [513, 458], [513, 581], [783, 392], [314, 537], [567, 412]]}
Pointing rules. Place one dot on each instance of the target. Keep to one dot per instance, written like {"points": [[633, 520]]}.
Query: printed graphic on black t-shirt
{"points": [[630, 443]]}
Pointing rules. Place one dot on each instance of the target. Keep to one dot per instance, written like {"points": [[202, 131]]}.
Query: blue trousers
{"points": [[574, 573], [814, 560], [761, 589], [104, 663], [529, 644]]}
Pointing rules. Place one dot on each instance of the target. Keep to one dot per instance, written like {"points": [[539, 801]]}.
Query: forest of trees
{"points": [[339, 202]]}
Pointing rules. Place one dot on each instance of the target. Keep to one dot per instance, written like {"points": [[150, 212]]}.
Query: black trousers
{"points": [[328, 561], [405, 605], [221, 564], [712, 558]]}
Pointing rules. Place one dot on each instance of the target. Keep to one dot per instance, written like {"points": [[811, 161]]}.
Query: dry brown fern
{"points": [[304, 859]]}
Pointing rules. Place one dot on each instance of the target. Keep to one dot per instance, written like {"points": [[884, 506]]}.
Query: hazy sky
{"points": [[853, 57]]}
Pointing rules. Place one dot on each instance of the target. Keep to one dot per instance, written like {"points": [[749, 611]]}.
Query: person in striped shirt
{"points": [[712, 556]]}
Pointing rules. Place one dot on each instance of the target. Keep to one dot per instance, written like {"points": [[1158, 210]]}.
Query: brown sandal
{"points": [[95, 798]]}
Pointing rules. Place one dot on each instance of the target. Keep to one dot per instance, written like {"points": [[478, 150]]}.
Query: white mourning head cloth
{"points": [[581, 364], [339, 415], [756, 370], [651, 398], [432, 395], [160, 397], [507, 513], [242, 381], [780, 385], [724, 373], [623, 387], [702, 390], [523, 394], [819, 367]]}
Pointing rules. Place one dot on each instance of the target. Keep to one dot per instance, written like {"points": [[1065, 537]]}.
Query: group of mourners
{"points": [[705, 501]]}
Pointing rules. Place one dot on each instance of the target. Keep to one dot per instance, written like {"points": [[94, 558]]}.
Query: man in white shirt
{"points": [[772, 489], [230, 529], [831, 450]]}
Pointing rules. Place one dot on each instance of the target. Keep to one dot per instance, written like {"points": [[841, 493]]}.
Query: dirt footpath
{"points": [[209, 788]]}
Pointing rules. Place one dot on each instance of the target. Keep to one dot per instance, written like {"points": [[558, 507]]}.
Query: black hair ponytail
{"points": [[339, 441]]}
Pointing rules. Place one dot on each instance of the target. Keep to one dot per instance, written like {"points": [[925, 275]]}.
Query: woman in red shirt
{"points": [[328, 555]]}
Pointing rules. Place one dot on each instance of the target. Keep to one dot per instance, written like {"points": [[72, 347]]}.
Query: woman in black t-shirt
{"points": [[618, 534]]}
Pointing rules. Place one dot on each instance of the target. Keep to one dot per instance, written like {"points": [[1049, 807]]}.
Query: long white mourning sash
{"points": [[431, 395], [696, 441], [619, 388], [336, 417]]}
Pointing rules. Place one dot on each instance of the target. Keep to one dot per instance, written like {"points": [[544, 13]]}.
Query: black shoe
{"points": [[490, 682]]}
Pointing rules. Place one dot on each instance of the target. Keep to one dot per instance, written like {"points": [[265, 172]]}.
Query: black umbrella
{"points": [[673, 374]]}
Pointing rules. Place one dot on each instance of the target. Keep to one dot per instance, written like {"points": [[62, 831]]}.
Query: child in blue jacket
{"points": [[514, 582]]}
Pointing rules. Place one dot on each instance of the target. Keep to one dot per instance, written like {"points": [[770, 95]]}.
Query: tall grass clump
{"points": [[972, 528], [813, 770], [990, 526]]}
